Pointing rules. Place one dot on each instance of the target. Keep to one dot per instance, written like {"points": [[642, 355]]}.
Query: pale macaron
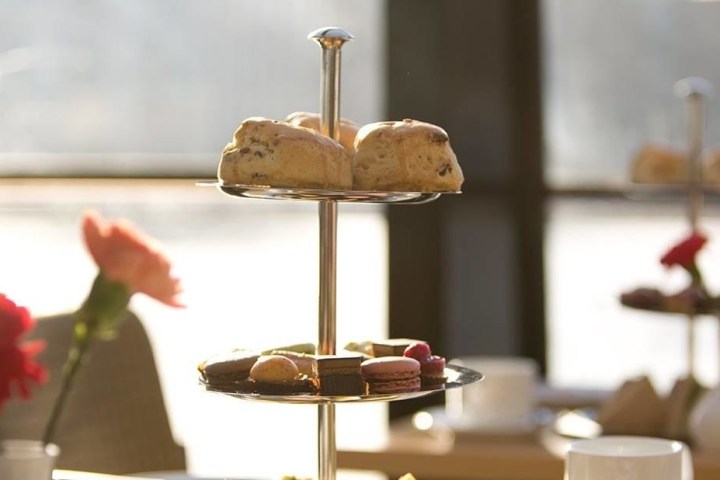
{"points": [[274, 368]]}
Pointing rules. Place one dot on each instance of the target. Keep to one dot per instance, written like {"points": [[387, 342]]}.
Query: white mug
{"points": [[627, 458], [504, 400]]}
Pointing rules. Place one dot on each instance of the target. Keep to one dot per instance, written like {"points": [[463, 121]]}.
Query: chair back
{"points": [[115, 419]]}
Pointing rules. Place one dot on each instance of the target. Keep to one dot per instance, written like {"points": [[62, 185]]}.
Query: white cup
{"points": [[627, 458], [504, 400]]}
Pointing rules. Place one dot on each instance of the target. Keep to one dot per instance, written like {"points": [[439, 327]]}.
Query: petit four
{"points": [[339, 375], [278, 375], [391, 374], [394, 347], [432, 367], [229, 371]]}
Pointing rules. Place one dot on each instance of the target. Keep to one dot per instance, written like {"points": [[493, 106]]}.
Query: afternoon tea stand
{"points": [[331, 40], [695, 91]]}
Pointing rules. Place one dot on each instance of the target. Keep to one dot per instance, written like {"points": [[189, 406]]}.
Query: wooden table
{"points": [[431, 457]]}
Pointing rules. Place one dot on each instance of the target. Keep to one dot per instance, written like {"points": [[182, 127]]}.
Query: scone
{"points": [[659, 164], [711, 167], [277, 154], [348, 128], [406, 156]]}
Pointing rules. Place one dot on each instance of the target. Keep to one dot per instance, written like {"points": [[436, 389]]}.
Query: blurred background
{"points": [[123, 105]]}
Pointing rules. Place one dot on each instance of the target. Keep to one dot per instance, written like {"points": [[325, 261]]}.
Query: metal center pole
{"points": [[695, 90], [330, 39]]}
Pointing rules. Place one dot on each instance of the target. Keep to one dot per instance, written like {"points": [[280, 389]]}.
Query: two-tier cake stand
{"points": [[331, 40]]}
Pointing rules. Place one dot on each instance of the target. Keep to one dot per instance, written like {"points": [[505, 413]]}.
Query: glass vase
{"points": [[27, 460]]}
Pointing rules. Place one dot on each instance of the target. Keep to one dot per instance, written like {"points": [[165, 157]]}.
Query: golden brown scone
{"points": [[409, 156], [711, 166], [348, 128], [659, 164], [277, 154]]}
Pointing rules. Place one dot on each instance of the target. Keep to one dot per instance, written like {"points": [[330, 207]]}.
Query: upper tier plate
{"points": [[271, 193], [456, 377]]}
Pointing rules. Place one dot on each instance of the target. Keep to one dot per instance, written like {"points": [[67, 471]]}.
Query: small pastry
{"points": [[307, 347], [418, 350], [432, 371], [393, 347], [303, 361], [643, 298], [432, 367], [363, 348], [278, 375], [391, 374], [339, 375], [229, 371]]}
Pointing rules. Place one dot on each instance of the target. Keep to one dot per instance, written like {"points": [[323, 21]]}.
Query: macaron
{"points": [[391, 374], [274, 368], [278, 375], [229, 370]]}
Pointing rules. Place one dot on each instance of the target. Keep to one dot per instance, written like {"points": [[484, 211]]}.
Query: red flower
{"points": [[16, 363], [684, 253]]}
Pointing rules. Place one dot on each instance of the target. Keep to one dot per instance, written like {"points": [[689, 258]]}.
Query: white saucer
{"points": [[436, 420]]}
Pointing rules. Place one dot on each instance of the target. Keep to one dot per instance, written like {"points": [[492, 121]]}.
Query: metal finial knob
{"points": [[330, 37], [691, 86]]}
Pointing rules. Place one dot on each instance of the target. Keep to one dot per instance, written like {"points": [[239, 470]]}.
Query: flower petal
{"points": [[126, 255]]}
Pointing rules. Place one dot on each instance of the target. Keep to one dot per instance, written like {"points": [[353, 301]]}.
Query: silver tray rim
{"points": [[457, 377], [265, 192]]}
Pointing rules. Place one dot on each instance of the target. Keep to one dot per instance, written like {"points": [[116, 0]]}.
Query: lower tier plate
{"points": [[456, 377]]}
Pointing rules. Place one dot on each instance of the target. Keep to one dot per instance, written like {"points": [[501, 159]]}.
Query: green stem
{"points": [[98, 317], [70, 369]]}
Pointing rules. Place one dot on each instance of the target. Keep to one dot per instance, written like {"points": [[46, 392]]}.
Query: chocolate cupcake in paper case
{"points": [[271, 153], [348, 128], [406, 156]]}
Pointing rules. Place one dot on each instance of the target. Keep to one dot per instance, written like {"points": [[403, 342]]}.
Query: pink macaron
{"points": [[391, 374]]}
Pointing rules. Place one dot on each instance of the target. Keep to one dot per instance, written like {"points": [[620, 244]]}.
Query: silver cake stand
{"points": [[695, 91], [331, 40]]}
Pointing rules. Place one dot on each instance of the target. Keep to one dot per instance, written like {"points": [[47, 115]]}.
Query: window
{"points": [[146, 88]]}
